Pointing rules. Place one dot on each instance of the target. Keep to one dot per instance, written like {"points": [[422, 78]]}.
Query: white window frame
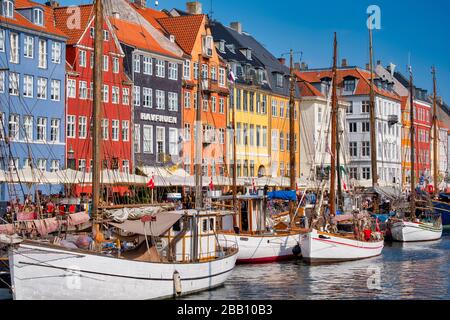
{"points": [[42, 84], [83, 94], [126, 96], [55, 131], [14, 83], [172, 101], [14, 47], [82, 127], [55, 93], [56, 52], [28, 47], [116, 66], [41, 129], [28, 128], [147, 97], [42, 64], [71, 88], [173, 70], [70, 126], [148, 65], [137, 96], [147, 140], [187, 70], [160, 99], [28, 86], [160, 68], [115, 98], [115, 129], [125, 130]]}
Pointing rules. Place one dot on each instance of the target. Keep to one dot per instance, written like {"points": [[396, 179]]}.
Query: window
{"points": [[173, 141], [147, 97], [41, 132], [148, 65], [91, 61], [279, 80], [274, 140], [115, 65], [13, 126], [105, 129], [222, 77], [125, 130], [137, 138], [54, 130], [205, 105], [28, 128], [353, 149], [160, 100], [213, 104], [221, 105], [245, 134], [71, 88], [115, 95], [42, 164], [187, 99], [365, 149], [70, 126], [238, 133], [115, 130], [349, 85], [281, 141], [173, 71], [13, 84], [221, 135], [82, 58], [126, 166], [82, 127], [350, 108], [264, 104], [38, 17], [28, 86], [125, 96], [105, 35], [14, 50], [204, 71], [195, 70], [213, 73], [187, 132], [105, 63], [137, 63], [91, 91], [160, 143], [264, 136], [353, 127], [2, 81], [173, 101], [83, 90], [27, 163], [56, 52], [137, 95], [148, 139], [8, 8], [2, 40], [274, 108], [365, 107], [365, 127], [55, 90], [353, 173], [366, 173], [105, 93], [28, 44], [42, 54], [187, 70], [160, 68]]}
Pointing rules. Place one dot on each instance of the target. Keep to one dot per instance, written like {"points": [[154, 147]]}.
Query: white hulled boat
{"points": [[408, 231]]}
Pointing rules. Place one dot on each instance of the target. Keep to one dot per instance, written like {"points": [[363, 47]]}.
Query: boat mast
{"points": [[198, 141], [413, 135], [97, 105], [332, 200], [233, 126], [436, 137], [292, 204], [373, 137]]}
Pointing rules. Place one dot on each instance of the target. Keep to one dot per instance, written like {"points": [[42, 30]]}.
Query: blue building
{"points": [[32, 94]]}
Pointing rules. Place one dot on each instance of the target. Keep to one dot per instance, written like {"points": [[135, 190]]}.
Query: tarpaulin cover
{"points": [[282, 195], [164, 221]]}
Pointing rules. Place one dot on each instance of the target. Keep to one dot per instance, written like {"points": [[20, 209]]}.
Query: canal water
{"points": [[403, 271]]}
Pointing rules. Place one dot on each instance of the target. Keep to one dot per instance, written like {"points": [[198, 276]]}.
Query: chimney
{"points": [[282, 61], [193, 7], [368, 66], [236, 26], [141, 3], [297, 66], [304, 66], [344, 63], [116, 15], [52, 3]]}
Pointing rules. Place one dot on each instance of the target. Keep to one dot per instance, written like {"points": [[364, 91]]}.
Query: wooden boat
{"points": [[41, 270], [442, 207], [317, 246], [408, 231]]}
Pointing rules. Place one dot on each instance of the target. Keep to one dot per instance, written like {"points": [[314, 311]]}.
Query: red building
{"points": [[423, 122], [116, 113]]}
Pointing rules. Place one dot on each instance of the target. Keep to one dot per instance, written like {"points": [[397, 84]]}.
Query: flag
{"points": [[345, 187], [231, 77], [151, 183], [211, 184]]}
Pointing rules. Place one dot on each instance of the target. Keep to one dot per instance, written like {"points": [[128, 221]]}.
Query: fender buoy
{"points": [[297, 250], [430, 189]]}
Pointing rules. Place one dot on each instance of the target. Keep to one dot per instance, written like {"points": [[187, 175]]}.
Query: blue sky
{"points": [[418, 28]]}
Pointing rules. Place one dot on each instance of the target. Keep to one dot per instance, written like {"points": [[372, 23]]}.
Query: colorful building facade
{"points": [[32, 91]]}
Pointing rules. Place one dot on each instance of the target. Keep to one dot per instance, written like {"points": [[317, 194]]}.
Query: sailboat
{"points": [[428, 226], [176, 251], [318, 246], [257, 242]]}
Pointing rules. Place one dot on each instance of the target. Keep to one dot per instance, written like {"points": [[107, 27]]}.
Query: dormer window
{"points": [[279, 80], [325, 85], [8, 9], [207, 46], [220, 46], [231, 47], [247, 53], [172, 38], [349, 84], [38, 16]]}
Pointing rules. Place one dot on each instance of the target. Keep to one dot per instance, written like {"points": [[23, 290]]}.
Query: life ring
{"points": [[430, 189]]}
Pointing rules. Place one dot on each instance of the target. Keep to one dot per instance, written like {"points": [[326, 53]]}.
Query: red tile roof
{"points": [[151, 15], [363, 87], [306, 88], [184, 28], [137, 36], [63, 22], [20, 21]]}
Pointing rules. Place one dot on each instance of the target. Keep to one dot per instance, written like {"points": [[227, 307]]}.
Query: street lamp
{"points": [[71, 159]]}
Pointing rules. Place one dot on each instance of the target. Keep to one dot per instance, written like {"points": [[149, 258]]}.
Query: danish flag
{"points": [[151, 183]]}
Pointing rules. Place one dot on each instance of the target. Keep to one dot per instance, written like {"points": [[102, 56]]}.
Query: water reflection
{"points": [[403, 271]]}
